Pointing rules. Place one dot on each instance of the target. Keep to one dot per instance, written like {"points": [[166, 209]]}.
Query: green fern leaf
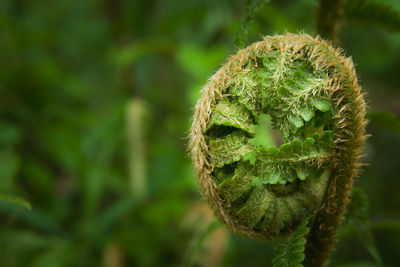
{"points": [[295, 85], [292, 253], [295, 160], [240, 182], [292, 160], [230, 149], [16, 200], [228, 113]]}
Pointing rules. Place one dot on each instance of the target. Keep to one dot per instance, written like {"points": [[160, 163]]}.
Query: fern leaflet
{"points": [[292, 255]]}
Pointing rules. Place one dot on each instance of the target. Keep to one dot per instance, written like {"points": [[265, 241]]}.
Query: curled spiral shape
{"points": [[296, 90]]}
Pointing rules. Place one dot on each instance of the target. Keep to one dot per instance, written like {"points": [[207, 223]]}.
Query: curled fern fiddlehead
{"points": [[308, 92]]}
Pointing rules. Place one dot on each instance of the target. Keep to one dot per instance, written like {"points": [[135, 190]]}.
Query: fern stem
{"points": [[328, 17], [322, 237]]}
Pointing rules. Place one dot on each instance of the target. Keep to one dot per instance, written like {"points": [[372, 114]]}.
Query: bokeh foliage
{"points": [[69, 72]]}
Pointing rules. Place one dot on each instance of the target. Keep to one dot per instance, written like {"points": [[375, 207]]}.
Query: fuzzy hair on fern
{"points": [[291, 89]]}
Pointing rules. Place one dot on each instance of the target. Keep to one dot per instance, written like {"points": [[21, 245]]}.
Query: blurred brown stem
{"points": [[328, 18]]}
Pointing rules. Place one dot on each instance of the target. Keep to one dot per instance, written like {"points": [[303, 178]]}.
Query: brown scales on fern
{"points": [[310, 93]]}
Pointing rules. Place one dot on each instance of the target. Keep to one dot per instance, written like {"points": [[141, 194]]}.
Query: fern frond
{"points": [[294, 160], [228, 113], [305, 92], [298, 91], [292, 254], [229, 149]]}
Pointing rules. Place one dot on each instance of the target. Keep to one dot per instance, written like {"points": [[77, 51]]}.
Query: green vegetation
{"points": [[292, 253], [310, 91], [82, 83], [296, 97]]}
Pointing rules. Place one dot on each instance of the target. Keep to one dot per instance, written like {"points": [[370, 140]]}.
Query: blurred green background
{"points": [[96, 99]]}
